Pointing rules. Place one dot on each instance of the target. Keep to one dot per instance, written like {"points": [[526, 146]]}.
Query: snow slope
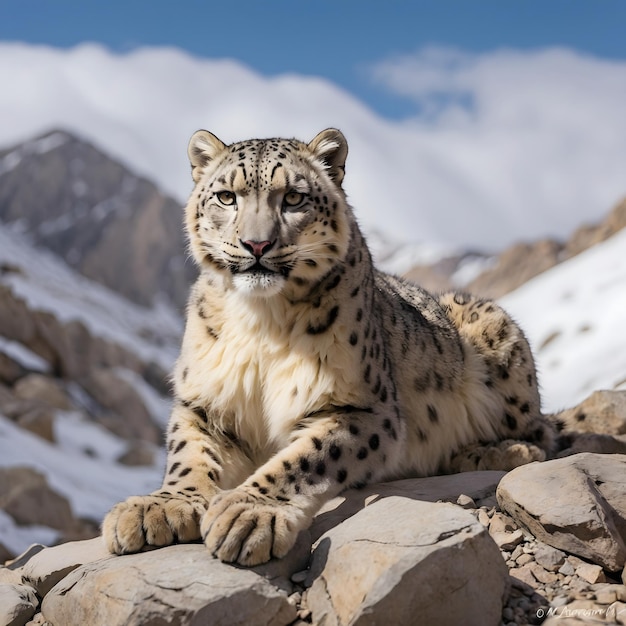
{"points": [[82, 464], [574, 318], [519, 162], [48, 284]]}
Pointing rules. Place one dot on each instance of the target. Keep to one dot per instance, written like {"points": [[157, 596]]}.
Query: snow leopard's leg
{"points": [[200, 461], [261, 518]]}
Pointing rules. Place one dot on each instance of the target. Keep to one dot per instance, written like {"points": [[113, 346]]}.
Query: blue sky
{"points": [[337, 39]]}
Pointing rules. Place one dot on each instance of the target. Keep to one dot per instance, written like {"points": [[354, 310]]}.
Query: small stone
{"points": [[295, 598], [483, 517], [591, 573], [523, 559], [578, 585], [508, 614], [549, 558], [525, 575], [567, 569], [466, 502], [542, 575], [517, 552], [501, 523], [507, 540]]}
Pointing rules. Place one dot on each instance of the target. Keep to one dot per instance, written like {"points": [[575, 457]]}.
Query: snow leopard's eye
{"points": [[293, 199], [227, 198]]}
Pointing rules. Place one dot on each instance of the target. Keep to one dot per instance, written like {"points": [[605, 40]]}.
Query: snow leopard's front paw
{"points": [[153, 520], [242, 527]]}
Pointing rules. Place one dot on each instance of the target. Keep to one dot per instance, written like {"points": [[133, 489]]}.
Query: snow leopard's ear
{"points": [[330, 148], [203, 148]]}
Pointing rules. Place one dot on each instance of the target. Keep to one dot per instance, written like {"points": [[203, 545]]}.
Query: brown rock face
{"points": [[26, 496], [514, 266], [110, 225]]}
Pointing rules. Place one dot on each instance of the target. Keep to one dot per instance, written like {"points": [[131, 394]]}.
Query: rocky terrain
{"points": [[542, 543], [107, 223], [83, 403]]}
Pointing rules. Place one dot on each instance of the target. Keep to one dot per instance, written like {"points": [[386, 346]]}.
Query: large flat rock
{"points": [[178, 585]]}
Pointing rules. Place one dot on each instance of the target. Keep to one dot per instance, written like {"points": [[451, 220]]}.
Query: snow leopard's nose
{"points": [[258, 248]]}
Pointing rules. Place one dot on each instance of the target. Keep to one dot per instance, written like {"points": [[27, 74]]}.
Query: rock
{"points": [[466, 502], [576, 504], [26, 496], [524, 574], [10, 369], [116, 394], [549, 558], [139, 453], [591, 573], [46, 568], [602, 411], [501, 523], [477, 485], [523, 559], [18, 604], [43, 389], [39, 421], [444, 569], [177, 585], [506, 540]]}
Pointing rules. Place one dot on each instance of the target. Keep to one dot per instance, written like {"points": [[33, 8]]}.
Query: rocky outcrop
{"points": [[26, 496], [387, 554], [429, 560], [416, 552], [583, 496], [109, 224]]}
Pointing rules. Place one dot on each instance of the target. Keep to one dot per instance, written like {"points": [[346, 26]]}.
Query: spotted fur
{"points": [[304, 370]]}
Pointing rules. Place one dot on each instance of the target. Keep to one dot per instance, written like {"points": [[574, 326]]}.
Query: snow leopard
{"points": [[305, 371]]}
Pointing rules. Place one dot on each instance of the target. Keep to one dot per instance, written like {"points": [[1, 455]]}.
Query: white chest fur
{"points": [[252, 362]]}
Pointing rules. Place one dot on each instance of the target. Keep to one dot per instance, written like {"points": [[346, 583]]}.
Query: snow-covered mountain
{"points": [[574, 316], [541, 150], [112, 336]]}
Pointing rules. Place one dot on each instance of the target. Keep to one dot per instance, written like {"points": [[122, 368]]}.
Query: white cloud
{"points": [[522, 143], [542, 148]]}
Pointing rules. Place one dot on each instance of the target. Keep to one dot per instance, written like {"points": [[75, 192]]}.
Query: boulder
{"points": [[576, 504], [44, 390], [26, 496], [177, 585], [115, 393], [18, 604], [10, 369], [46, 568], [601, 412], [39, 421], [477, 485], [403, 561], [138, 453]]}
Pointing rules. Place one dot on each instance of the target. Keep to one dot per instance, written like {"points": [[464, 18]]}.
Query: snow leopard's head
{"points": [[268, 215]]}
